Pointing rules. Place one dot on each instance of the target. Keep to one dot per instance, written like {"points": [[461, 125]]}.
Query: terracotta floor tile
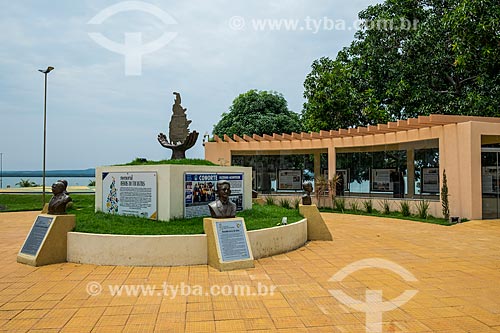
{"points": [[456, 270]]}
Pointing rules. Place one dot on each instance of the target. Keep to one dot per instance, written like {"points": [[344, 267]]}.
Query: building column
{"points": [[332, 162], [317, 165], [410, 172]]}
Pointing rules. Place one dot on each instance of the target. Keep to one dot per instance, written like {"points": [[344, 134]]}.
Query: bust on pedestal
{"points": [[223, 207]]}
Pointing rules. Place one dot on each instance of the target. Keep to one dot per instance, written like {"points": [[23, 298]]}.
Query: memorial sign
{"points": [[228, 247], [200, 189], [37, 235], [46, 242], [130, 193], [381, 180], [289, 179], [232, 240], [430, 180]]}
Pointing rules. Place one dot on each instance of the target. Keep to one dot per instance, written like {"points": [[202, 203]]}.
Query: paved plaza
{"points": [[454, 271]]}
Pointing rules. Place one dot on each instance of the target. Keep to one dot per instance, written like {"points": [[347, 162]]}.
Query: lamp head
{"points": [[47, 71]]}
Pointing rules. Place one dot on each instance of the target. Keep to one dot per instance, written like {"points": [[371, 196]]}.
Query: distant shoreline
{"points": [[51, 173]]}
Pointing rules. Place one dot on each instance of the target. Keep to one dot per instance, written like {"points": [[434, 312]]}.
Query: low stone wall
{"points": [[276, 240], [174, 250]]}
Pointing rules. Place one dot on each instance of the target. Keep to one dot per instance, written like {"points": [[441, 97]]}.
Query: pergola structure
{"points": [[459, 139]]}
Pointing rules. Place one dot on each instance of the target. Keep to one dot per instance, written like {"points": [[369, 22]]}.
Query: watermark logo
{"points": [[316, 25], [133, 49], [373, 305], [172, 291]]}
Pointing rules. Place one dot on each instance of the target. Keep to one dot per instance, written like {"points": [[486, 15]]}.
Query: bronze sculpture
{"points": [[180, 139], [306, 198], [223, 207], [57, 204]]}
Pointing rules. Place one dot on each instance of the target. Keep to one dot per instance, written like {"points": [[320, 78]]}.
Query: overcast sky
{"points": [[102, 111]]}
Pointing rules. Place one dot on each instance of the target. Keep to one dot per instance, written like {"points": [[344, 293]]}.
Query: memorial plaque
{"points": [[37, 235], [232, 240]]}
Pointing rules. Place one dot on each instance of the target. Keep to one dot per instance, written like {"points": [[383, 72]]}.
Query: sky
{"points": [[117, 64]]}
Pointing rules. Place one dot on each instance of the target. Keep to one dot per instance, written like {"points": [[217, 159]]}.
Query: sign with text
{"points": [[381, 180], [36, 235], [232, 239], [201, 188], [289, 179], [130, 193], [430, 180]]}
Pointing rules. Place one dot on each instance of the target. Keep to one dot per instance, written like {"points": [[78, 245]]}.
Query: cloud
{"points": [[97, 115]]}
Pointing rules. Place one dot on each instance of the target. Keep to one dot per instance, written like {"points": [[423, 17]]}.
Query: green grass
{"points": [[395, 215], [88, 221], [187, 161]]}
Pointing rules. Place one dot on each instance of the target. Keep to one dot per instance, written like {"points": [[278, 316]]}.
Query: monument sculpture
{"points": [[223, 207], [306, 198], [180, 139], [57, 204]]}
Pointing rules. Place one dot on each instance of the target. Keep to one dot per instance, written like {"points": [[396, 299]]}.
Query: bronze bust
{"points": [[57, 204], [223, 207], [306, 198]]}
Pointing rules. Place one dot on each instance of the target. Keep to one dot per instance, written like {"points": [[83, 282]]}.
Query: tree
{"points": [[258, 112], [410, 58]]}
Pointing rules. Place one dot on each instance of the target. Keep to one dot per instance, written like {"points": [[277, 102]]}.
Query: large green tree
{"points": [[258, 112], [410, 58]]}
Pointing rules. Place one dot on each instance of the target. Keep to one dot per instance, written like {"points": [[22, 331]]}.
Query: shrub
{"points": [[386, 207], [354, 205], [423, 209], [26, 183], [270, 201], [405, 207], [91, 182], [339, 204], [444, 197], [284, 203], [368, 204]]}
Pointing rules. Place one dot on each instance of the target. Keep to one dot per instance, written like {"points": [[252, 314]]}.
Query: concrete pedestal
{"points": [[235, 245], [47, 244], [316, 226]]}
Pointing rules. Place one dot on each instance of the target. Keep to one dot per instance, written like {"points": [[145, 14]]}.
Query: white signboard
{"points": [[130, 193], [289, 179], [430, 180], [381, 180]]}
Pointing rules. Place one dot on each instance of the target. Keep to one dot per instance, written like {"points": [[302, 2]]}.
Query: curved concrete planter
{"points": [[174, 250]]}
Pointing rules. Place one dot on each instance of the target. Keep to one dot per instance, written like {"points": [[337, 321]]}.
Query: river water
{"points": [[72, 181]]}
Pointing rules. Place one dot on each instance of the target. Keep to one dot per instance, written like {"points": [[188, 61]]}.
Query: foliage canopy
{"points": [[410, 58], [258, 112]]}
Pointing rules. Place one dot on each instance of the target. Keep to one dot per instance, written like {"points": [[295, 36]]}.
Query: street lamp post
{"points": [[1, 170], [45, 72]]}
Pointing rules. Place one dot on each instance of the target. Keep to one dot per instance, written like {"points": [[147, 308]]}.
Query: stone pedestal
{"points": [[228, 247], [47, 242], [316, 226]]}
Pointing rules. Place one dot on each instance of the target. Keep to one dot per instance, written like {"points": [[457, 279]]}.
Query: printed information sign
{"points": [[430, 180], [37, 235], [289, 179], [130, 193], [232, 240], [381, 180], [200, 189]]}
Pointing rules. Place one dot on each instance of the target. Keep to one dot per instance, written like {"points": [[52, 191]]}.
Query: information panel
{"points": [[37, 235], [490, 180], [200, 189], [430, 180], [289, 179], [130, 193], [381, 180], [232, 240]]}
